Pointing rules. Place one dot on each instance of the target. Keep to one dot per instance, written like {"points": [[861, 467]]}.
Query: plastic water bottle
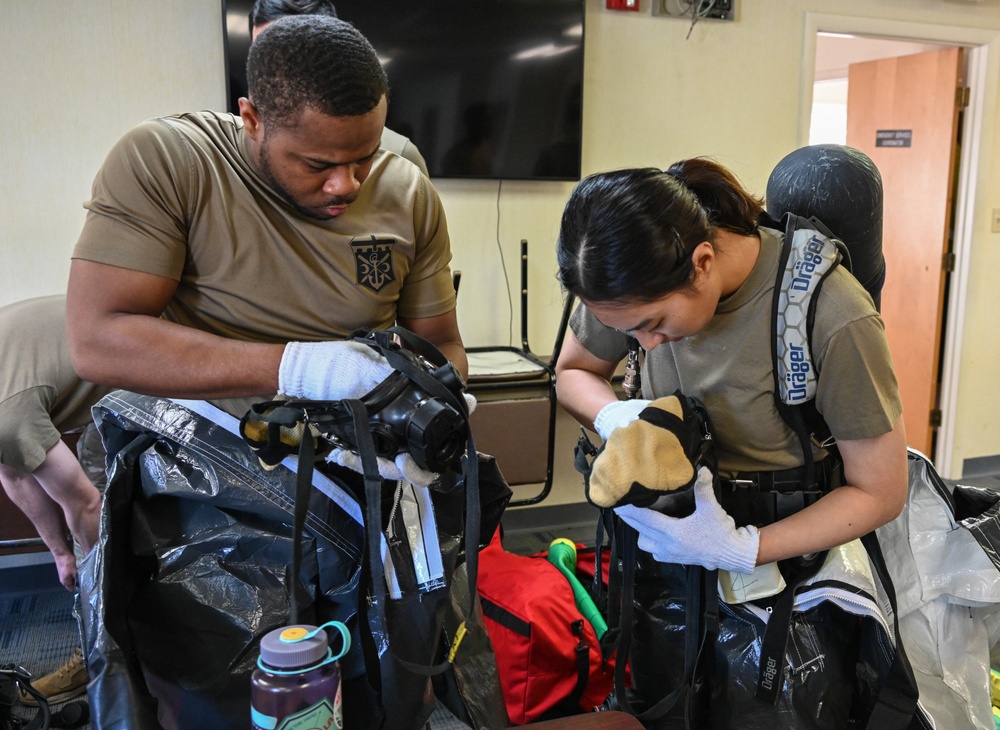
{"points": [[297, 680]]}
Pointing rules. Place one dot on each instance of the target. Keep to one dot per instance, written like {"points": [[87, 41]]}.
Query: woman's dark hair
{"points": [[629, 234], [313, 61]]}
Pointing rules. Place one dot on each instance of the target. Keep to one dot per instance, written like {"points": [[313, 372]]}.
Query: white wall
{"points": [[77, 73]]}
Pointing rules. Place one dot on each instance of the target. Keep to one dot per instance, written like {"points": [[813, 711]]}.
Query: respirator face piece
{"points": [[403, 417]]}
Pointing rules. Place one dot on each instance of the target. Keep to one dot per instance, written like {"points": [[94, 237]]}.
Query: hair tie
{"points": [[676, 176]]}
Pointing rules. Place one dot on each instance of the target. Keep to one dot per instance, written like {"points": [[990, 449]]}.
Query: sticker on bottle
{"points": [[321, 716]]}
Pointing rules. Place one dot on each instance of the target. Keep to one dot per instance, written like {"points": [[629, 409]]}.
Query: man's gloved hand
{"points": [[617, 414], [709, 537], [404, 467], [470, 401], [330, 370]]}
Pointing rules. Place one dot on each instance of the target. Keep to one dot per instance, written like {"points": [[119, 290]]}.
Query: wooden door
{"points": [[903, 113]]}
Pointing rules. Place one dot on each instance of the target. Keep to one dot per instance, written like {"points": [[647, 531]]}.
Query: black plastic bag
{"points": [[191, 570]]}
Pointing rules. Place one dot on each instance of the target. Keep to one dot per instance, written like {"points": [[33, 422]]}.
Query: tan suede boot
{"points": [[68, 681]]}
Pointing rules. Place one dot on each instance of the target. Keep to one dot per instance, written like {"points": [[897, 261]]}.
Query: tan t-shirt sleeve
{"points": [[429, 290], [599, 340], [858, 393], [136, 217]]}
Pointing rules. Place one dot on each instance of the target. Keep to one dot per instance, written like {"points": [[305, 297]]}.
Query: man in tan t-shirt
{"points": [[226, 257]]}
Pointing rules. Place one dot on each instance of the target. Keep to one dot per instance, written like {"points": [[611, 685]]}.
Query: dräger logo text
{"points": [[805, 268], [770, 671], [798, 372]]}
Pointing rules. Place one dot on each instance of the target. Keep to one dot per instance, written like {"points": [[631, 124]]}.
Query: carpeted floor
{"points": [[37, 631]]}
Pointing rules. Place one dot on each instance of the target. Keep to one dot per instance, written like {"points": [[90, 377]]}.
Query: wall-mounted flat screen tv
{"points": [[485, 89]]}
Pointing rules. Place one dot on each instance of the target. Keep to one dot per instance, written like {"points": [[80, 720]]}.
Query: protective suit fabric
{"points": [[942, 557], [942, 554], [839, 650], [191, 570]]}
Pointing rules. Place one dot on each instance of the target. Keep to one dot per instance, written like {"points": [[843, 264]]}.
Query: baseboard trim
{"points": [[981, 466]]}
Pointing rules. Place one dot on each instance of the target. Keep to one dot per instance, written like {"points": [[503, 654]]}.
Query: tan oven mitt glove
{"points": [[654, 454]]}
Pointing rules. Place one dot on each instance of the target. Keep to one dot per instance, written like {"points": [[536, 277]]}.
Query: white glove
{"points": [[330, 370], [617, 414], [708, 537], [404, 467]]}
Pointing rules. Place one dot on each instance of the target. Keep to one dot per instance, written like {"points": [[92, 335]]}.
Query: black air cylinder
{"points": [[842, 188]]}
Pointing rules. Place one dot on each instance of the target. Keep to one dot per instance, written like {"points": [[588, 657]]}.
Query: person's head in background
{"points": [[315, 111], [265, 12]]}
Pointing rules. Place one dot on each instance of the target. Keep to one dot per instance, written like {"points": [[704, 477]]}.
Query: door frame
{"points": [[983, 64]]}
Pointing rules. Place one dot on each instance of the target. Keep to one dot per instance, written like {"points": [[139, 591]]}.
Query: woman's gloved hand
{"points": [[708, 537], [330, 370], [617, 414]]}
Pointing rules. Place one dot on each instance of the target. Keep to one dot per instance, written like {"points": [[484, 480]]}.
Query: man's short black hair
{"points": [[313, 61], [265, 11]]}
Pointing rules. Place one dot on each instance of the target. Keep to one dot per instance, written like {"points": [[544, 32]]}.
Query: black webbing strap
{"points": [[375, 613], [771, 672], [897, 698], [694, 640], [303, 486], [433, 386], [20, 677], [505, 618], [701, 604], [570, 704], [373, 518], [582, 652]]}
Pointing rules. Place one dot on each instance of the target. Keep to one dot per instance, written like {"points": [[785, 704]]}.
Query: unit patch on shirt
{"points": [[373, 262]]}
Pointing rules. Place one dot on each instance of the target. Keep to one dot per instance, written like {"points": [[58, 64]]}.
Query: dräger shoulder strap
{"points": [[810, 252]]}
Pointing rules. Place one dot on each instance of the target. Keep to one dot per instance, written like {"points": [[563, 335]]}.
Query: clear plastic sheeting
{"points": [[942, 553]]}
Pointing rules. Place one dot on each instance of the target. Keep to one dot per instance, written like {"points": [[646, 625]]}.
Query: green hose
{"points": [[562, 554]]}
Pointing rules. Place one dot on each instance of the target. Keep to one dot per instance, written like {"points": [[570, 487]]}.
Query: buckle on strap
{"points": [[828, 471], [760, 498]]}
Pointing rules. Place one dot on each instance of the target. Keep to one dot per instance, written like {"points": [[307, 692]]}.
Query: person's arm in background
{"points": [[442, 332], [59, 500], [117, 338]]}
